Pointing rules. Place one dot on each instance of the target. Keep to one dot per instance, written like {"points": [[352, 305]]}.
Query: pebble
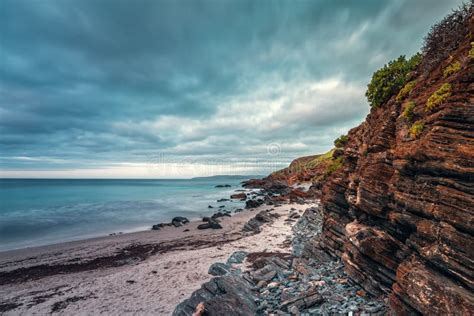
{"points": [[294, 310]]}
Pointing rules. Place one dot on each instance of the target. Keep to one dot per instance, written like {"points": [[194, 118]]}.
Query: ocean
{"points": [[36, 212]]}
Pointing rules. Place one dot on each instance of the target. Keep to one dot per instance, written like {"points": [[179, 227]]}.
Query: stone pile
{"points": [[281, 283]]}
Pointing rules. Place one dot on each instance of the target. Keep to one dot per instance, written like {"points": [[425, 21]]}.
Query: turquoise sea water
{"points": [[38, 211]]}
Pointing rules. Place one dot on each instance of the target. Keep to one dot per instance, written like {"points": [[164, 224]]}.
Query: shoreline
{"points": [[169, 264], [197, 219], [64, 219]]}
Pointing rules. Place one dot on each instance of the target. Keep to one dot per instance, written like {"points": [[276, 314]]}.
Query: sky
{"points": [[181, 88]]}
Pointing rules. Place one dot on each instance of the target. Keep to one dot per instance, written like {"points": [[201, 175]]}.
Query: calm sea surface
{"points": [[39, 212]]}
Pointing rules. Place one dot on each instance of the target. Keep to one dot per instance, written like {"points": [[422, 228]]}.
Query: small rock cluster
{"points": [[305, 286], [254, 203], [223, 186], [177, 221], [306, 228], [281, 284], [262, 217], [213, 221]]}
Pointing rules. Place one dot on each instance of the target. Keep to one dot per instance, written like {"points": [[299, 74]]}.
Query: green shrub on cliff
{"points": [[451, 69], [321, 159], [390, 79], [416, 129], [405, 90], [471, 51], [408, 110], [341, 141], [439, 96]]}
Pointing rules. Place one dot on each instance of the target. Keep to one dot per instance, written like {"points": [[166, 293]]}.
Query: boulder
{"points": [[305, 300], [160, 225], [210, 223], [277, 187], [224, 295], [262, 217], [220, 214], [239, 196], [179, 221], [219, 268], [237, 257], [264, 274], [204, 226], [254, 203]]}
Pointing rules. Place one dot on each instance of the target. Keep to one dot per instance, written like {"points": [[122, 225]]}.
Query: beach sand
{"points": [[140, 273]]}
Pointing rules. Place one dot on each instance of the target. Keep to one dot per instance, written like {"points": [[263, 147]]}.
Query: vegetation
{"points": [[305, 163], [405, 90], [322, 166], [324, 158], [390, 79], [330, 165], [471, 51], [408, 110], [335, 165], [446, 36], [341, 141], [452, 68], [416, 129], [439, 96]]}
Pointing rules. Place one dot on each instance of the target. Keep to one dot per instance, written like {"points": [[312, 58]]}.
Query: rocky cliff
{"points": [[397, 195], [400, 211]]}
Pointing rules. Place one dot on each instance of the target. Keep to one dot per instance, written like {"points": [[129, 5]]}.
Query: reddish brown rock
{"points": [[239, 196], [400, 213], [430, 292]]}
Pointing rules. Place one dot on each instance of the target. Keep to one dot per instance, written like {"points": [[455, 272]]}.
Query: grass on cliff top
{"points": [[321, 158], [305, 163]]}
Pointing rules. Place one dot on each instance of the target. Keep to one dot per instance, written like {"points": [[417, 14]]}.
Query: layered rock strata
{"points": [[400, 213]]}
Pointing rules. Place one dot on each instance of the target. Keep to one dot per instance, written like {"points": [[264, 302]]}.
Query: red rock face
{"points": [[400, 213]]}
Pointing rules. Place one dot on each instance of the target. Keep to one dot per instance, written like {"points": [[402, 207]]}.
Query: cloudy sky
{"points": [[181, 88]]}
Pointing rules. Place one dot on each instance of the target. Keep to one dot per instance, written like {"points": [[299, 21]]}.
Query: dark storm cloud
{"points": [[94, 82]]}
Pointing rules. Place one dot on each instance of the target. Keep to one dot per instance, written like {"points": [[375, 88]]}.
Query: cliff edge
{"points": [[400, 211]]}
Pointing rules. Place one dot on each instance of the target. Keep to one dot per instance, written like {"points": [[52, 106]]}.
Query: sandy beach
{"points": [[147, 272]]}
